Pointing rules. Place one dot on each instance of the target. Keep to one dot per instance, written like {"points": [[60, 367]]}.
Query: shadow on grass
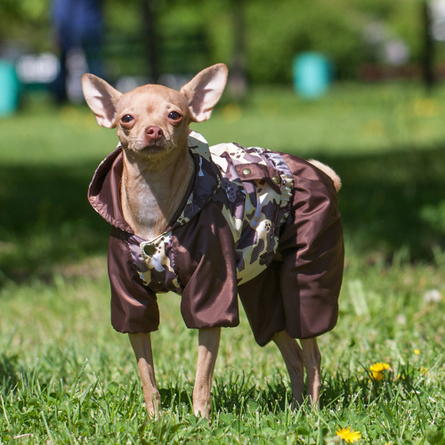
{"points": [[238, 394], [45, 218], [8, 372], [346, 390], [393, 200]]}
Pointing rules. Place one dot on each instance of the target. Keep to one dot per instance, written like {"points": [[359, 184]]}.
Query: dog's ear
{"points": [[101, 98], [204, 91]]}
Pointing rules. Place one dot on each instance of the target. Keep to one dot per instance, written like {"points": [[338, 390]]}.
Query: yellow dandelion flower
{"points": [[416, 351], [379, 367], [377, 371], [423, 370], [348, 435]]}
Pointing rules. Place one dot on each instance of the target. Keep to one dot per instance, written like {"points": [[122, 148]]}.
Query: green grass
{"points": [[67, 377]]}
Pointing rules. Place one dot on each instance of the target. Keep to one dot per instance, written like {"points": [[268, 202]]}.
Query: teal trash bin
{"points": [[9, 89], [311, 75]]}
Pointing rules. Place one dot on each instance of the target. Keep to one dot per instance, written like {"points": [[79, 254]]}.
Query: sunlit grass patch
{"points": [[67, 377]]}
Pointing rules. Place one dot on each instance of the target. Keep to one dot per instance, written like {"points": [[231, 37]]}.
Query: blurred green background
{"points": [[66, 377], [190, 34], [380, 123]]}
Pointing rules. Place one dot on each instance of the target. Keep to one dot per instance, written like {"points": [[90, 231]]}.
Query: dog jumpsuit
{"points": [[255, 223]]}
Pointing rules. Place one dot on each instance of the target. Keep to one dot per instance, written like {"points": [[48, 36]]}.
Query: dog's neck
{"points": [[152, 192]]}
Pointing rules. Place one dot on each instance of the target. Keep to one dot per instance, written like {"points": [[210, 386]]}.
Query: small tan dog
{"points": [[155, 168]]}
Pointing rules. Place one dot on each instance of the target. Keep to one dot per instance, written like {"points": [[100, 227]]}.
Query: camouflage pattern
{"points": [[252, 188]]}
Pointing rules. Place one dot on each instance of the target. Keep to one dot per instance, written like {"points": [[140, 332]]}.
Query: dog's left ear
{"points": [[101, 98], [204, 91]]}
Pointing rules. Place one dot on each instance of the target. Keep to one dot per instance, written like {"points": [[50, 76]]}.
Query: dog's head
{"points": [[153, 120]]}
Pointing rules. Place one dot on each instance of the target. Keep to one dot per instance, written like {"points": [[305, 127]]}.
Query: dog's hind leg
{"points": [[293, 357], [312, 363], [207, 352], [142, 348]]}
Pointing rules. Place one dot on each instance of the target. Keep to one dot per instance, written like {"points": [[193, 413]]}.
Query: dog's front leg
{"points": [[142, 348], [207, 353]]}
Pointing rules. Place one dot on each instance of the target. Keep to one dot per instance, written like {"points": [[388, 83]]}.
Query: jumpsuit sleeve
{"points": [[134, 307], [205, 260]]}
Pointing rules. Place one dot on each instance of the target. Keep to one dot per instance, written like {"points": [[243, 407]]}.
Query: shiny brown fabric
{"points": [[209, 298], [134, 307], [300, 294]]}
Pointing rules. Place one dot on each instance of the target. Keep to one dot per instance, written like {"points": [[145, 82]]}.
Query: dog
{"points": [[212, 225]]}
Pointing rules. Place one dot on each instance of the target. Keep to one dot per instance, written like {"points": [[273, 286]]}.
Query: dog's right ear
{"points": [[204, 90], [102, 98]]}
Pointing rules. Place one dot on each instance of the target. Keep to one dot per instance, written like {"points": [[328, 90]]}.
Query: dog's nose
{"points": [[154, 133]]}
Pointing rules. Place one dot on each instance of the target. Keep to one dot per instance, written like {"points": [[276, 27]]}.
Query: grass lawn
{"points": [[67, 377]]}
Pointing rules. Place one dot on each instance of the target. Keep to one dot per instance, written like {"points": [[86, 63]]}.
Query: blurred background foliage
{"points": [[385, 139], [377, 126], [191, 34]]}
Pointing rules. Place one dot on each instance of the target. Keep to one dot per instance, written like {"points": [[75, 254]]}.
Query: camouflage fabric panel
{"points": [[160, 273], [253, 209]]}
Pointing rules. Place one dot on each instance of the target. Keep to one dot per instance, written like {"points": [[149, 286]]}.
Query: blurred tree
{"points": [[25, 22], [276, 34], [428, 52], [258, 37], [237, 79], [151, 38]]}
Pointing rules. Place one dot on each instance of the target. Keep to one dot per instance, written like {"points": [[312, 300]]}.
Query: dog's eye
{"points": [[174, 116], [126, 119]]}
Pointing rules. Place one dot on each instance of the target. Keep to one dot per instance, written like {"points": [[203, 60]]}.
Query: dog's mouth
{"points": [[153, 147]]}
